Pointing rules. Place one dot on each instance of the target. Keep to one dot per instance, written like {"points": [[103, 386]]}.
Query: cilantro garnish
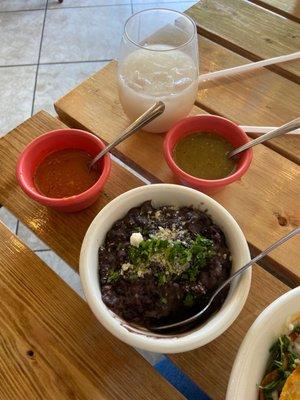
{"points": [[189, 300], [173, 256], [162, 279], [113, 276], [163, 300]]}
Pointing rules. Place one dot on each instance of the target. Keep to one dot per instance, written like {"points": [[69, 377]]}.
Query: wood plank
{"points": [[260, 98], [52, 347], [288, 8], [264, 202], [43, 221], [210, 366], [249, 30]]}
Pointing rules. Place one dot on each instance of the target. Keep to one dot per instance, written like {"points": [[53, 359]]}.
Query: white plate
{"points": [[252, 357]]}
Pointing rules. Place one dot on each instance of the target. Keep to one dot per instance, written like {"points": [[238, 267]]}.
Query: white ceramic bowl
{"points": [[164, 194], [252, 357]]}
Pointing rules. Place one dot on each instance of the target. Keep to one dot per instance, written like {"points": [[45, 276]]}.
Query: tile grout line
{"points": [[91, 6], [39, 57], [16, 11], [75, 62], [17, 227], [65, 8], [55, 63]]}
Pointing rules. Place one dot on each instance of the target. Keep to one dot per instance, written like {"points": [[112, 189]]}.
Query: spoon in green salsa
{"points": [[290, 126], [229, 280]]}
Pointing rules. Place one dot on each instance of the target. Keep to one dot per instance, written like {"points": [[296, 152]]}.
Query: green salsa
{"points": [[204, 155]]}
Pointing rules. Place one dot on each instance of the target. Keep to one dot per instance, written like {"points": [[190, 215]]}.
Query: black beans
{"points": [[157, 296]]}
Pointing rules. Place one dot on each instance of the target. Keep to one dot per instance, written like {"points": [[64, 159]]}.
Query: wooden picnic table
{"points": [[52, 346]]}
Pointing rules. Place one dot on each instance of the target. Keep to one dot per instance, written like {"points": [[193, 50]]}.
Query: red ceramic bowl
{"points": [[49, 143], [207, 123]]}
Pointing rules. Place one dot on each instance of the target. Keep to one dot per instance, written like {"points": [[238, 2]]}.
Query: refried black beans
{"points": [[160, 265]]}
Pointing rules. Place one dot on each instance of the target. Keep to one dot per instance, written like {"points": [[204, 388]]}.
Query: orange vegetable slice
{"points": [[291, 388]]}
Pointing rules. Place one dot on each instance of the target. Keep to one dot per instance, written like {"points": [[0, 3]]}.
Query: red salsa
{"points": [[65, 173]]}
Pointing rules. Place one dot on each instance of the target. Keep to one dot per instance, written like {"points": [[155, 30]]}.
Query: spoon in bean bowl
{"points": [[240, 271]]}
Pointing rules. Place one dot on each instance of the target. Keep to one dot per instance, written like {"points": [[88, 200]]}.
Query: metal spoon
{"points": [[237, 273], [290, 126], [148, 116]]}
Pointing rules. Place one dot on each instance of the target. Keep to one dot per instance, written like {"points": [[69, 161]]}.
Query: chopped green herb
{"points": [[175, 256], [202, 250], [193, 272], [189, 300], [163, 300], [113, 276], [162, 279]]}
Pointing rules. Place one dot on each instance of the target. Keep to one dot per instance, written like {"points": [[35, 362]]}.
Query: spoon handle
{"points": [[238, 272], [290, 126], [153, 112], [257, 258]]}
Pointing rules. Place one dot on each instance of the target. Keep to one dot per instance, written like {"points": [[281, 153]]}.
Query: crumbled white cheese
{"points": [[157, 214], [165, 233], [292, 321], [168, 234], [136, 238], [274, 395], [126, 266]]}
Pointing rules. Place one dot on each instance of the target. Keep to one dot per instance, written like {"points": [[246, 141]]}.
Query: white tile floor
{"points": [[46, 48]]}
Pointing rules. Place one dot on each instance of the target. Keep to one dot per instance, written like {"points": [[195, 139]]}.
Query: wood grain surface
{"points": [[210, 366], [52, 347], [62, 232], [260, 98], [287, 8], [264, 202], [249, 30]]}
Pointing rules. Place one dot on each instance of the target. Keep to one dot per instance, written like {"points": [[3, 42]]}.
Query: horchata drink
{"points": [[164, 67]]}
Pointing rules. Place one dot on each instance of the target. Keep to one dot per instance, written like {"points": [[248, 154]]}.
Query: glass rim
{"points": [[160, 9]]}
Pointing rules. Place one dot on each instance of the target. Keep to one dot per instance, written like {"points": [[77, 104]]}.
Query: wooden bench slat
{"points": [[210, 366], [265, 198], [287, 8], [62, 232], [73, 355], [249, 30], [260, 98]]}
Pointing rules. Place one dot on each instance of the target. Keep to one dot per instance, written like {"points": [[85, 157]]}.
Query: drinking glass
{"points": [[158, 61]]}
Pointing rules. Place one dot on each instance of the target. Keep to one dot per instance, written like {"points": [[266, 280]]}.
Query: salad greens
{"points": [[283, 360]]}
